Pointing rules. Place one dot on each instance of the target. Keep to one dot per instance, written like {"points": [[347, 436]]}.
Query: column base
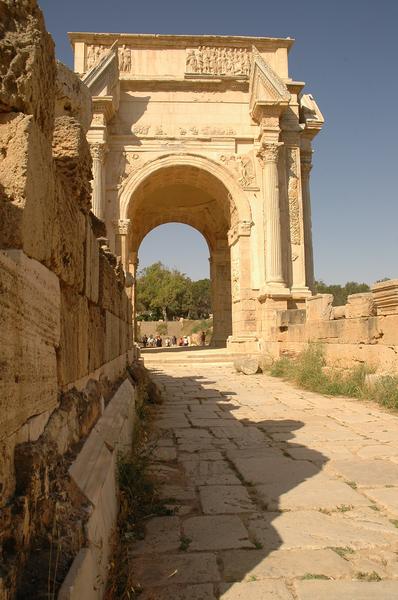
{"points": [[300, 292], [273, 290]]}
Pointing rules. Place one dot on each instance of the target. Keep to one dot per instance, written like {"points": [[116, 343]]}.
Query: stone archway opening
{"points": [[192, 196]]}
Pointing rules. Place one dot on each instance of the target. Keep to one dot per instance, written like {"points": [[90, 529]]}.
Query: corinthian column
{"points": [[268, 156], [98, 196], [122, 231], [306, 166]]}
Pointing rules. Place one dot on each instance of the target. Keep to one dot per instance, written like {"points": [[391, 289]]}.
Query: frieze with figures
{"points": [[95, 53], [221, 62]]}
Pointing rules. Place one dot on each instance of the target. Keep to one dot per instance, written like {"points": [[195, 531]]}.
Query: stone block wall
{"points": [[65, 316], [365, 330]]}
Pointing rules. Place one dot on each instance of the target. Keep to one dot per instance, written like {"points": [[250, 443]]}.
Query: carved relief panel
{"points": [[293, 195], [221, 62], [122, 164], [95, 52], [242, 167]]}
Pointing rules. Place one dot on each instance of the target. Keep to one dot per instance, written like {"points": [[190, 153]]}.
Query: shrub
{"points": [[308, 372]]}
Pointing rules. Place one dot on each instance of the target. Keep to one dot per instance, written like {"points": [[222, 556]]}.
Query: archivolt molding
{"points": [[208, 165]]}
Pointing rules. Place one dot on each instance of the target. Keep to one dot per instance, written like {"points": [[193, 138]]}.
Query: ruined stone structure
{"points": [[65, 321], [213, 132], [208, 131], [364, 331]]}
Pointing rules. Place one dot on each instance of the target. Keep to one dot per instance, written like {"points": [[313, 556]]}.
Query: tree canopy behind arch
{"points": [[164, 293], [341, 292]]}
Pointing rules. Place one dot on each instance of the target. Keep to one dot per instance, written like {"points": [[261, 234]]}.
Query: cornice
{"points": [[150, 39]]}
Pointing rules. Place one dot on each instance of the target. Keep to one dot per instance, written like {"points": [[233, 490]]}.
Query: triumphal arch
{"points": [[210, 131]]}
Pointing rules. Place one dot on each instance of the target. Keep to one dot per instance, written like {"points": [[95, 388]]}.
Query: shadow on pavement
{"points": [[233, 475]]}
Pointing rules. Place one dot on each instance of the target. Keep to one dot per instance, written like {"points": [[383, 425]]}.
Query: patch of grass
{"points": [[138, 501], [363, 576], [258, 545], [344, 508], [352, 484], [185, 541], [314, 576], [252, 578], [308, 372], [394, 522], [342, 551]]}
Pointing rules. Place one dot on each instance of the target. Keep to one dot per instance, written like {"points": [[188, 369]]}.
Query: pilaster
{"points": [[306, 166], [295, 214], [98, 152]]}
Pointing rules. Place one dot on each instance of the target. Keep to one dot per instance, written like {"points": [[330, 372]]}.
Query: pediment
{"points": [[103, 77], [266, 87]]}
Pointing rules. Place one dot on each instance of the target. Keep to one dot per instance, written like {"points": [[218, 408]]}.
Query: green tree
{"points": [[163, 293], [201, 299], [340, 293]]}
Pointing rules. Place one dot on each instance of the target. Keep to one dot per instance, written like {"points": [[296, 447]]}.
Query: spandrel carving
{"points": [[220, 62], [242, 166], [128, 162]]}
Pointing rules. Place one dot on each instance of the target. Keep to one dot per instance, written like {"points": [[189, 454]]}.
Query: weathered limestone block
{"points": [[27, 200], [68, 257], [123, 336], [385, 295], [319, 307], [112, 343], [324, 330], [27, 63], [382, 358], [75, 417], [96, 335], [29, 335], [285, 318], [91, 278], [338, 312], [94, 472], [109, 292], [345, 331], [360, 305], [389, 328], [361, 331], [248, 365], [74, 343], [72, 97], [73, 160], [295, 333]]}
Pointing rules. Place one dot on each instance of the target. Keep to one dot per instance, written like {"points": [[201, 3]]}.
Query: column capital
{"points": [[269, 152], [122, 226], [306, 162], [98, 151]]}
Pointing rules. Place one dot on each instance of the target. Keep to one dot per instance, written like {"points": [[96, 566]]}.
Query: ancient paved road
{"points": [[281, 494]]}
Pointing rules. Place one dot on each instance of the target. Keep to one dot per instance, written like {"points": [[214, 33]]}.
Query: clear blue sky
{"points": [[346, 52]]}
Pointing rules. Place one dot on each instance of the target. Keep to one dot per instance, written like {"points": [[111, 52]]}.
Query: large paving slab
{"points": [[279, 493], [216, 533], [347, 590], [249, 565], [255, 590]]}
